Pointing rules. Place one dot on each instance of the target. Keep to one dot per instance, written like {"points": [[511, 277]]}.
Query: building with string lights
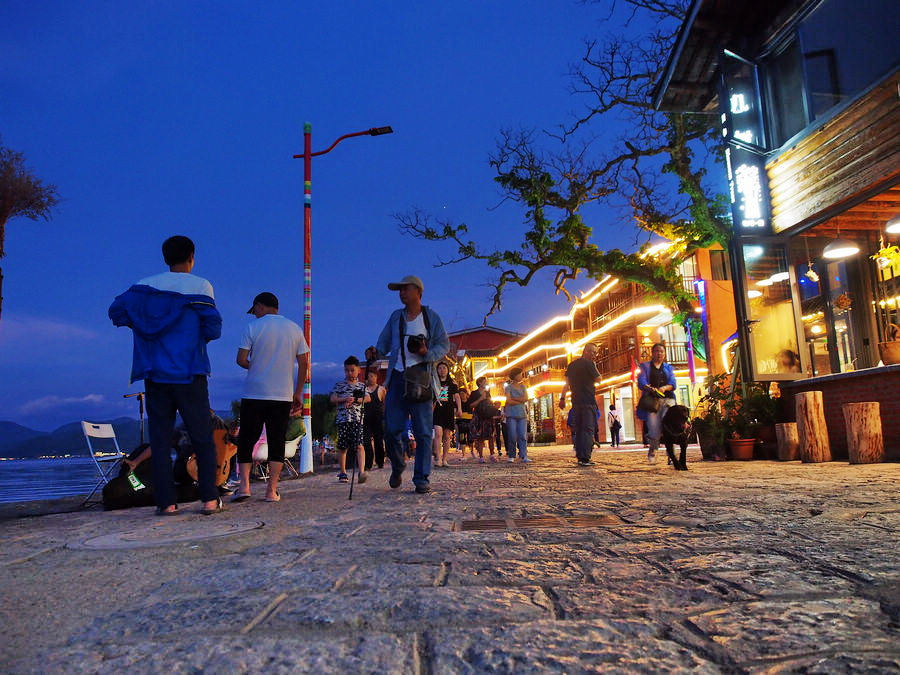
{"points": [[624, 322]]}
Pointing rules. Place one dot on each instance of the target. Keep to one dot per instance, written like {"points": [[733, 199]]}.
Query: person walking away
{"points": [[615, 425], [373, 422], [581, 375], [516, 421], [463, 420], [484, 413], [172, 317], [270, 344], [446, 408], [415, 338], [656, 382], [350, 397]]}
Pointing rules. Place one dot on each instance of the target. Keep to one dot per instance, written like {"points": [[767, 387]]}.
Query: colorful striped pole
{"points": [[306, 456]]}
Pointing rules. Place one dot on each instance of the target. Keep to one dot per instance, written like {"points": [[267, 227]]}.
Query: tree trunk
{"points": [[811, 428], [788, 441], [865, 442]]}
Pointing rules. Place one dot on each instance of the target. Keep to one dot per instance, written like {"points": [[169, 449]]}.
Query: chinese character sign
{"points": [[748, 190]]}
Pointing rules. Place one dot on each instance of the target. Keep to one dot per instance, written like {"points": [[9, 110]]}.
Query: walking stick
{"points": [[352, 476]]}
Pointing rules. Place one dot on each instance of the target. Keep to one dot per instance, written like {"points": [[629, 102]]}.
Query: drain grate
{"points": [[605, 520]]}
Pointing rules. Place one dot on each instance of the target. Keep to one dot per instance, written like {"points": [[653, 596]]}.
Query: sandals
{"points": [[163, 512], [276, 498], [240, 497], [218, 508]]}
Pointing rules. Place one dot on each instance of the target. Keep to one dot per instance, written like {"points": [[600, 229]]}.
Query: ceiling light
{"points": [[753, 252], [816, 328], [765, 282], [839, 249], [893, 225], [779, 276], [754, 294]]}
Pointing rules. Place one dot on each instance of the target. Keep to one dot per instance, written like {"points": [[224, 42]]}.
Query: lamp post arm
{"points": [[367, 132]]}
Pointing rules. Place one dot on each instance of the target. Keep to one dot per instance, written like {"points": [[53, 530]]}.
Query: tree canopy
{"points": [[21, 194], [654, 166]]}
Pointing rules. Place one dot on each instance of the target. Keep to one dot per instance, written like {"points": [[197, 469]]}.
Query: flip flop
{"points": [[240, 497], [163, 512], [218, 508], [276, 498]]}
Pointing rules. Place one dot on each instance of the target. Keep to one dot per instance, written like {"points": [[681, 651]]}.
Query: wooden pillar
{"points": [[811, 428], [788, 441], [865, 442]]}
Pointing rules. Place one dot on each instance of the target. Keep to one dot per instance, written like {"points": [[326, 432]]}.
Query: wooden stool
{"points": [[811, 428], [865, 442], [788, 441]]}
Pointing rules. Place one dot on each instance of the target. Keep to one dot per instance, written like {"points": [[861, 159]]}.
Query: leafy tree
{"points": [[617, 76], [322, 414], [21, 194]]}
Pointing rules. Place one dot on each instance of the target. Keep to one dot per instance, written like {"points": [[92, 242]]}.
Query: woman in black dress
{"points": [[446, 408], [373, 422]]}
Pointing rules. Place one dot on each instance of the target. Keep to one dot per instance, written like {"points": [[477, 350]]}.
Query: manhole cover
{"points": [[173, 531], [606, 520]]}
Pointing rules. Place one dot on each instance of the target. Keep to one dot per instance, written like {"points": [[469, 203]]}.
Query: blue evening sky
{"points": [[164, 117]]}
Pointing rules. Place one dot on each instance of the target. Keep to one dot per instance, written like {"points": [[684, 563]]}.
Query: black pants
{"points": [[585, 426], [373, 443], [192, 401], [275, 415], [614, 434]]}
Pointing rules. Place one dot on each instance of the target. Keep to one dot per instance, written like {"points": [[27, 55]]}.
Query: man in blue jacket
{"points": [[172, 316], [414, 336]]}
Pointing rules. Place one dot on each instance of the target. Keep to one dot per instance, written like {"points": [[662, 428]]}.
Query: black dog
{"points": [[676, 429]]}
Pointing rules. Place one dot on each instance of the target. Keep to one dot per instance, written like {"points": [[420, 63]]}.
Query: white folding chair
{"points": [[261, 456], [107, 463]]}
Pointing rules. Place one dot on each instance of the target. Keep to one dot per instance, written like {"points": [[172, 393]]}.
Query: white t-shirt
{"points": [[414, 327], [179, 282], [274, 343]]}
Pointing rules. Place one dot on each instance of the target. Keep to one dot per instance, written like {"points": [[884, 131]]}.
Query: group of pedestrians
{"points": [[656, 382], [173, 316]]}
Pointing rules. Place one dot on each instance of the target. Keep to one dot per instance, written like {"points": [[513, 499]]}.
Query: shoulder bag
{"points": [[416, 378]]}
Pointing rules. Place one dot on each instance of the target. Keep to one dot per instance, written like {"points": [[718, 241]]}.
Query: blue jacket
{"points": [[170, 332], [644, 382], [437, 341]]}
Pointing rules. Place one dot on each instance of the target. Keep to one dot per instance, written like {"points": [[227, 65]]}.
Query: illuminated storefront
{"points": [[806, 95]]}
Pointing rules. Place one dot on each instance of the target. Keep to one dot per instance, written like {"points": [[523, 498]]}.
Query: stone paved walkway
{"points": [[730, 567]]}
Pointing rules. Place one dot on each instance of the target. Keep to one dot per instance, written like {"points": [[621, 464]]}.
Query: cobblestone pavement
{"points": [[622, 567]]}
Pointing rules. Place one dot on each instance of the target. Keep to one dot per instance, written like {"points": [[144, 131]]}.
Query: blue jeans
{"points": [[516, 436], [396, 411], [654, 423], [584, 424], [192, 401]]}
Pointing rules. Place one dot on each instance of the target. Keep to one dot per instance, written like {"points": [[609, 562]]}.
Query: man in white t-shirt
{"points": [[269, 346]]}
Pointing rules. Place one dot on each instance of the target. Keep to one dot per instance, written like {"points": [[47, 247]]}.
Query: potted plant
{"points": [[749, 413], [711, 426]]}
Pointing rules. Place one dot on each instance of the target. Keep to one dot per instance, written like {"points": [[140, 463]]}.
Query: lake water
{"points": [[27, 479]]}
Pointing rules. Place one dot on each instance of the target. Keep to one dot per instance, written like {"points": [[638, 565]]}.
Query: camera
{"points": [[414, 343], [358, 394]]}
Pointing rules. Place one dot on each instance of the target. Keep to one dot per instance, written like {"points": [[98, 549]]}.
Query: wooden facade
{"points": [[855, 153]]}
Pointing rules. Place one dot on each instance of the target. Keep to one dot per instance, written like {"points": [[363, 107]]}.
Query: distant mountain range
{"points": [[18, 442]]}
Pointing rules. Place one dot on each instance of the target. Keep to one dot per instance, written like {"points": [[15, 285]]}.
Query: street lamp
{"points": [[308, 154]]}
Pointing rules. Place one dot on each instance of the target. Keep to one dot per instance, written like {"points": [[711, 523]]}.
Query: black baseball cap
{"points": [[265, 298]]}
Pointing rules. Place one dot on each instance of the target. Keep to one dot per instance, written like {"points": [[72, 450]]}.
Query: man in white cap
{"points": [[415, 339]]}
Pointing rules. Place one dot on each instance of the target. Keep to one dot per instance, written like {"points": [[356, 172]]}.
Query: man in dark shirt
{"points": [[580, 378]]}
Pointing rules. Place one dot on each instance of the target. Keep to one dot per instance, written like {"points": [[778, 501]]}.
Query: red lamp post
{"points": [[306, 463]]}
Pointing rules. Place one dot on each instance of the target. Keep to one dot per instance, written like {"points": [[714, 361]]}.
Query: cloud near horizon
{"points": [[49, 402], [26, 329]]}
